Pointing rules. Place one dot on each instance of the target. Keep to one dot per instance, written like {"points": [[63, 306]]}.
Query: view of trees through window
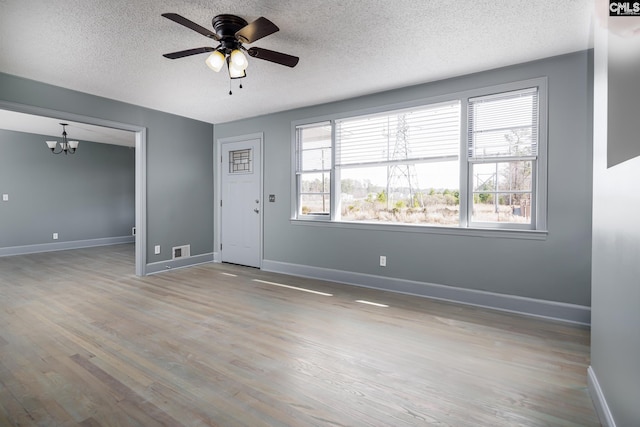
{"points": [[425, 193]]}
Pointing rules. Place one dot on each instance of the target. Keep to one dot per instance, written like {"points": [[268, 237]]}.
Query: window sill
{"points": [[502, 233]]}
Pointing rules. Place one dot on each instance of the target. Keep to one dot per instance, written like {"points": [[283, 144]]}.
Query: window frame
{"points": [[299, 173], [505, 159], [538, 227], [421, 110]]}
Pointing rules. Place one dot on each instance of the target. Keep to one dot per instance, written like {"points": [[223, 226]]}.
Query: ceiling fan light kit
{"points": [[231, 32]]}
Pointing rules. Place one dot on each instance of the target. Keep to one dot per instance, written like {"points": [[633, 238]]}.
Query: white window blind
{"points": [[314, 148], [504, 125], [420, 134]]}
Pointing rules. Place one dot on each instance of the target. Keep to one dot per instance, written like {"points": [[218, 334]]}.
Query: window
{"points": [[400, 166], [240, 161], [313, 169], [502, 154], [475, 160]]}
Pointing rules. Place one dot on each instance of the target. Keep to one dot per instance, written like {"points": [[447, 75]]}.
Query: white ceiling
{"points": [[347, 48]]}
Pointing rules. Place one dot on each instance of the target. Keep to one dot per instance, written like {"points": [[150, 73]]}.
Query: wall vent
{"points": [[181, 251]]}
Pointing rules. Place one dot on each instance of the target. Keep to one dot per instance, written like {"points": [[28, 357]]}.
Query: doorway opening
{"points": [[140, 135]]}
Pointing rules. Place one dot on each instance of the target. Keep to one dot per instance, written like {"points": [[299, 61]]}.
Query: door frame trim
{"points": [[217, 211]]}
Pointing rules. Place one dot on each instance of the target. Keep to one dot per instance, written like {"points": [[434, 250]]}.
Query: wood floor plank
{"points": [[84, 342]]}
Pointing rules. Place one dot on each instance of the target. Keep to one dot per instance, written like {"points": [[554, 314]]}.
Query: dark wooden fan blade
{"points": [[256, 30], [191, 25], [277, 57], [188, 52]]}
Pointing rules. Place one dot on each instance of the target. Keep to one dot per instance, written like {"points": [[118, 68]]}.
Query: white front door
{"points": [[241, 212]]}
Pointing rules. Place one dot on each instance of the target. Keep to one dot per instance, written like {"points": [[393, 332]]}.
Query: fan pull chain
{"points": [[230, 92]]}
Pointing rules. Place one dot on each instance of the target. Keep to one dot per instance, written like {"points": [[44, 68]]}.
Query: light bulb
{"points": [[239, 60], [215, 61]]}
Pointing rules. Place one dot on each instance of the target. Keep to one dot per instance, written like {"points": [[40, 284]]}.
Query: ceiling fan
{"points": [[232, 32]]}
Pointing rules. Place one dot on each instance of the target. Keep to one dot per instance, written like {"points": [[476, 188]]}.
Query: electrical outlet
{"points": [[5, 197], [383, 261], [156, 250], [55, 236]]}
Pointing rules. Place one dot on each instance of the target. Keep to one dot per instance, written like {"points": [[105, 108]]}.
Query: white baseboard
{"points": [[172, 264], [570, 313], [599, 401], [63, 246], [217, 257]]}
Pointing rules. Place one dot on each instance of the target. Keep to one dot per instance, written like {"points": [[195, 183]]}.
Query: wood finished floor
{"points": [[83, 342]]}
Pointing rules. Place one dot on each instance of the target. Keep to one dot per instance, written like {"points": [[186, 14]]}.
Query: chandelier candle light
{"points": [[66, 146]]}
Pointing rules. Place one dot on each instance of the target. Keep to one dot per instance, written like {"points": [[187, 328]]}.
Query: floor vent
{"points": [[181, 251]]}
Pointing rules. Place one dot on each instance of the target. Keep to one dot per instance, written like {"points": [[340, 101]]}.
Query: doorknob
{"points": [[256, 210]]}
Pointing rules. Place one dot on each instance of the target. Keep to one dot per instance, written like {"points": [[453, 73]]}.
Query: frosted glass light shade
{"points": [[215, 61], [73, 144], [51, 144], [235, 72], [239, 60]]}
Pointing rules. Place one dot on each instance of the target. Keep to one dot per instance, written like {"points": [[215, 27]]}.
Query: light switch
{"points": [[5, 197]]}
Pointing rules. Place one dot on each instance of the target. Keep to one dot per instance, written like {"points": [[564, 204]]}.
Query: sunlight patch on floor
{"points": [[293, 287], [371, 303]]}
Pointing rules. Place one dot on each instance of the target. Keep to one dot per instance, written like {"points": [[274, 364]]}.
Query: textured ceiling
{"points": [[347, 48]]}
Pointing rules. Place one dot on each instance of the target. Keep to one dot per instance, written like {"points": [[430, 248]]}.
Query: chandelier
{"points": [[66, 147]]}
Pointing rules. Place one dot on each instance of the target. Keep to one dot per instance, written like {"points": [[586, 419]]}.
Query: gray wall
{"points": [[623, 99], [556, 269], [615, 327], [179, 161], [88, 195]]}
